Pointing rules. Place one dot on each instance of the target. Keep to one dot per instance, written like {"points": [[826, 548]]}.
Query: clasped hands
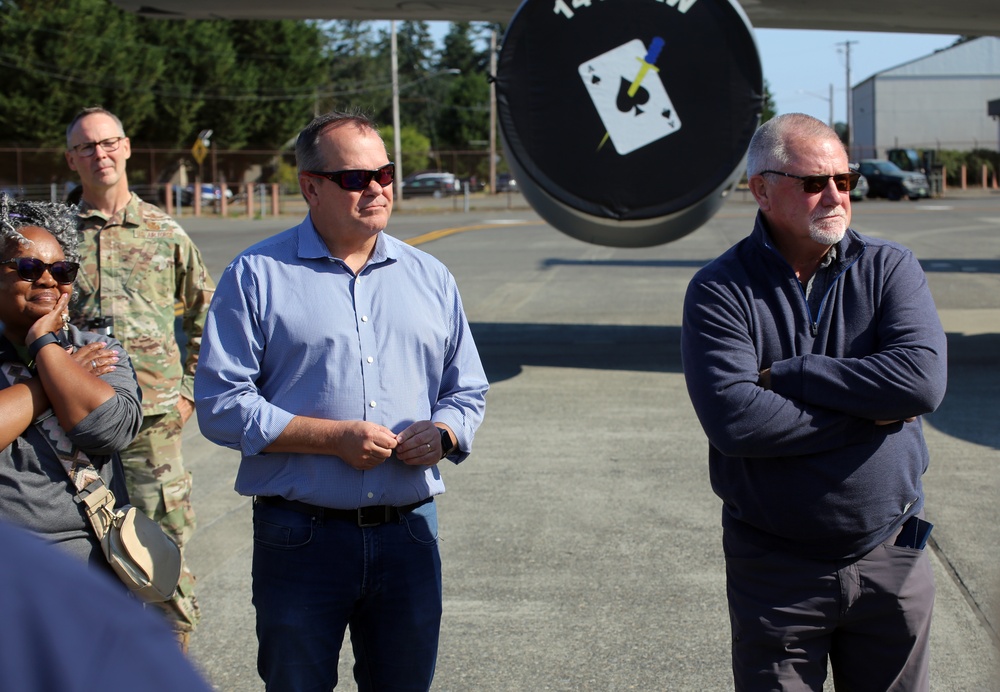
{"points": [[366, 445]]}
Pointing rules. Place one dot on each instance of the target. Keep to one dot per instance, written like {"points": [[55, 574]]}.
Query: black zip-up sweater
{"points": [[802, 467]]}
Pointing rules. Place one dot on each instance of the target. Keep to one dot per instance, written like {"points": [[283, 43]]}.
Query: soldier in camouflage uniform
{"points": [[136, 263]]}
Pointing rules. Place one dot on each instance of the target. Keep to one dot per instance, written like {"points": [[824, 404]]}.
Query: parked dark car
{"points": [[886, 179], [506, 183], [438, 184]]}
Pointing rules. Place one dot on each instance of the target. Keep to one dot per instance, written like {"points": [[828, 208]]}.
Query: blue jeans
{"points": [[314, 577]]}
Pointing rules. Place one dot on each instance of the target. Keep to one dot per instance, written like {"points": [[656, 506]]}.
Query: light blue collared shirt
{"points": [[292, 331]]}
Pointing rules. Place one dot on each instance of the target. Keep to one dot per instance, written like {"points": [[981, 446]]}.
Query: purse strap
{"points": [[90, 488]]}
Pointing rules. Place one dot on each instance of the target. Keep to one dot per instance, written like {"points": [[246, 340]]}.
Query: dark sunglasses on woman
{"points": [[31, 269]]}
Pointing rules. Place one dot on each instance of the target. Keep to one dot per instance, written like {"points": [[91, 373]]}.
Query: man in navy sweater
{"points": [[810, 353]]}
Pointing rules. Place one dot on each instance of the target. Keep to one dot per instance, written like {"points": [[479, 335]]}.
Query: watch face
{"points": [[446, 445]]}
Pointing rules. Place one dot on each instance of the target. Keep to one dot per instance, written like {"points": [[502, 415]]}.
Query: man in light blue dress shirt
{"points": [[340, 363]]}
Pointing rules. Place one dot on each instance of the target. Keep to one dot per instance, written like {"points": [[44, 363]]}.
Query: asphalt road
{"points": [[581, 540]]}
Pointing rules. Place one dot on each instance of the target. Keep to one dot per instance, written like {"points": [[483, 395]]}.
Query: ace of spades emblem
{"points": [[629, 96]]}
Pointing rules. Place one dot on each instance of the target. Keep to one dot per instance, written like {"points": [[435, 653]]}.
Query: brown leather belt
{"points": [[364, 517]]}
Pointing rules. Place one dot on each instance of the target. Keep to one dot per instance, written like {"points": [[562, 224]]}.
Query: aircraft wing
{"points": [[969, 17]]}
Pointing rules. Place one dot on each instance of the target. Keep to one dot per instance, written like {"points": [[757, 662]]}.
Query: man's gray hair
{"points": [[58, 219], [769, 145], [307, 153], [92, 110]]}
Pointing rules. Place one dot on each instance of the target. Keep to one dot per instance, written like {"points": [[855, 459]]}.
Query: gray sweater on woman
{"points": [[35, 491]]}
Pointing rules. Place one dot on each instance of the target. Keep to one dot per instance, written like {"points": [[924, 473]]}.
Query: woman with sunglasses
{"points": [[58, 385]]}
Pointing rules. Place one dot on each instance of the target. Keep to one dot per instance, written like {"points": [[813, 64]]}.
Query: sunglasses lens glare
{"points": [[386, 175], [812, 184], [354, 180]]}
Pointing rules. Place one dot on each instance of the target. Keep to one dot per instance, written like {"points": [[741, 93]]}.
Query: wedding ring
{"points": [[93, 365]]}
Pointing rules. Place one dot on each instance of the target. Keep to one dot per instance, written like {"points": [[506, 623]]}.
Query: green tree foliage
{"points": [[415, 146], [59, 56], [769, 110], [360, 73], [465, 116], [253, 83], [285, 64], [974, 160]]}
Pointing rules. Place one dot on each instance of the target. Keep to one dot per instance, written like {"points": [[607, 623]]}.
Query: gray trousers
{"points": [[870, 620]]}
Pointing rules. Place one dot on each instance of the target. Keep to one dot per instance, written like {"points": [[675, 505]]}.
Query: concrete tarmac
{"points": [[581, 541]]}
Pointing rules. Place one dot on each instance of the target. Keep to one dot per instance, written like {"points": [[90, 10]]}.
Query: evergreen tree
{"points": [[58, 56]]}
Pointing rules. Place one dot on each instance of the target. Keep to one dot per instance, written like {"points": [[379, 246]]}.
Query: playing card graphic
{"points": [[629, 95]]}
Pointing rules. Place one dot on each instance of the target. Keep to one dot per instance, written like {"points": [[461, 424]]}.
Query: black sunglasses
{"points": [[31, 269], [358, 179], [811, 184]]}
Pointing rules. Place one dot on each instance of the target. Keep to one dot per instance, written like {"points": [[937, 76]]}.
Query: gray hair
{"points": [[58, 219], [769, 146], [307, 153], [92, 110]]}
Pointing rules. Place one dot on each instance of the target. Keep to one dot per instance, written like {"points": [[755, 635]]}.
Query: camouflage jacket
{"points": [[134, 267]]}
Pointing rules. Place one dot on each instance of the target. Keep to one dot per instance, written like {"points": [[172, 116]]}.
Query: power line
{"points": [[178, 93]]}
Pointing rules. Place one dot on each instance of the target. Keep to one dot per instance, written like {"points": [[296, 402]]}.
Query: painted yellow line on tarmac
{"points": [[445, 232]]}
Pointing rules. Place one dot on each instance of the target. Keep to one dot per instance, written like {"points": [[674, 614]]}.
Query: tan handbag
{"points": [[146, 560]]}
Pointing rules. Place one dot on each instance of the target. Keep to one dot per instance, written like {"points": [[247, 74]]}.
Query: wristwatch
{"points": [[40, 343], [447, 447]]}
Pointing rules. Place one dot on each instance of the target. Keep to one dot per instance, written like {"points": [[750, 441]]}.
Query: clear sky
{"points": [[800, 66]]}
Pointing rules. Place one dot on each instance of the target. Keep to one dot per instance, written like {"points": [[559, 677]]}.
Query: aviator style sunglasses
{"points": [[811, 184], [358, 179], [31, 269]]}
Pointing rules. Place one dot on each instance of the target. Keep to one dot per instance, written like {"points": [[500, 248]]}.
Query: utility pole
{"points": [[850, 99], [493, 112], [397, 155], [831, 104]]}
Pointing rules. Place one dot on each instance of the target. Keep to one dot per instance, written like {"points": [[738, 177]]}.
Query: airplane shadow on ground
{"points": [[506, 348], [960, 266], [943, 265], [662, 263], [969, 410]]}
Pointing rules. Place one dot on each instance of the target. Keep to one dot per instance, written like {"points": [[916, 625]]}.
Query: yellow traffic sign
{"points": [[199, 150]]}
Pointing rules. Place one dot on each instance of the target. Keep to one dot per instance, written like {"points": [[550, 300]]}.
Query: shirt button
{"points": [[371, 404], [364, 318], [371, 495], [370, 359]]}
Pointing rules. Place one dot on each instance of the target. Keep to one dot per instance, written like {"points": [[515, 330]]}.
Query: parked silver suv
{"points": [[438, 184]]}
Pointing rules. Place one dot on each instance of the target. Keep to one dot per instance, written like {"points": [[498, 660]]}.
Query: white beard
{"points": [[828, 231]]}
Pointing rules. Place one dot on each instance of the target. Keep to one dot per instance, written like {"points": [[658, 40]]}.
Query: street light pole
{"points": [[397, 155], [493, 112], [828, 99], [831, 105], [850, 100]]}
